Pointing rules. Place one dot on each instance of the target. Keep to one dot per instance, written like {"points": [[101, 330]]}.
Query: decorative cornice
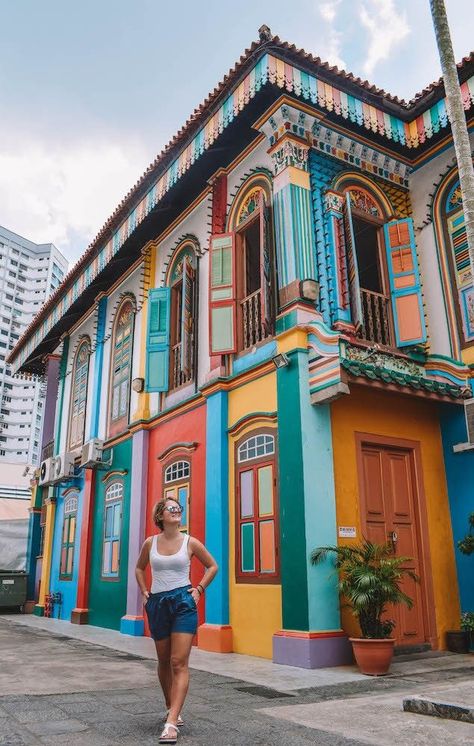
{"points": [[186, 447]]}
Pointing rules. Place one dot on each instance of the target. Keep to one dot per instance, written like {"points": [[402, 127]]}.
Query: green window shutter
{"points": [[158, 340], [405, 287], [222, 295], [352, 268]]}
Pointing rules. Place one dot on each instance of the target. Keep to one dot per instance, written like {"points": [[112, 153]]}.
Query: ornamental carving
{"points": [[333, 201], [360, 200], [455, 198], [383, 360], [250, 205], [290, 153]]}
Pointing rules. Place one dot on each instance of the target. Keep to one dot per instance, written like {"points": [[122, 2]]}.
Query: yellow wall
{"points": [[255, 610], [388, 415]]}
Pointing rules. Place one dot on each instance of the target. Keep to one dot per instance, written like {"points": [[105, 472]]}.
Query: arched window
{"points": [[255, 270], [257, 537], [112, 530], [365, 254], [242, 272], [177, 485], [80, 376], [68, 537], [182, 284], [459, 265], [122, 349]]}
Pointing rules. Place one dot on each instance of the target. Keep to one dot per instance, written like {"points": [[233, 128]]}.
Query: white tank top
{"points": [[169, 571]]}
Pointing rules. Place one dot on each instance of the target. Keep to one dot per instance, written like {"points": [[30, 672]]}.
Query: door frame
{"points": [[420, 516]]}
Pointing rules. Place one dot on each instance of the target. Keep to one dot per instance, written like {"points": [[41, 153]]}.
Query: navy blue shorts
{"points": [[171, 611]]}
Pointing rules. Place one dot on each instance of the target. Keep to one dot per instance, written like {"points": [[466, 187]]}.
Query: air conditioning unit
{"points": [[91, 454], [46, 471], [469, 413], [63, 467]]}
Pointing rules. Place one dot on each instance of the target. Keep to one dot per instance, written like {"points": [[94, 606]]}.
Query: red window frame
{"points": [[254, 465]]}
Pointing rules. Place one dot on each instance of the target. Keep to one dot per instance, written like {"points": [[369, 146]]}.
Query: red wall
{"points": [[189, 427]]}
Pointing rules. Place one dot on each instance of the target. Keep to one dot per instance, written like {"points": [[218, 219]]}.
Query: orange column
{"points": [[80, 614]]}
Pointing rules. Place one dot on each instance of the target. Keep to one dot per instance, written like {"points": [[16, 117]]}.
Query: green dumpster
{"points": [[12, 588]]}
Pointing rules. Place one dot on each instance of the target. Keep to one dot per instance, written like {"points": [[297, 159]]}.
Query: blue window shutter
{"points": [[158, 340], [405, 286], [352, 268]]}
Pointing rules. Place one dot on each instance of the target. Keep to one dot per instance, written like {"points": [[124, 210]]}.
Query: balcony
{"points": [[177, 376], [376, 317], [251, 315]]}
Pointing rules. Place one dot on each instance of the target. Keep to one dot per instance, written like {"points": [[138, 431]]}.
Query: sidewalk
{"points": [[258, 671]]}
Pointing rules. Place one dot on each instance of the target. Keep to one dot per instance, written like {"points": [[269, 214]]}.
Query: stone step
{"points": [[445, 710]]}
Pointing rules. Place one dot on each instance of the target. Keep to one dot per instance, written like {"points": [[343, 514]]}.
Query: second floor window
{"points": [[121, 366], [382, 273], [242, 275], [80, 377], [182, 282]]}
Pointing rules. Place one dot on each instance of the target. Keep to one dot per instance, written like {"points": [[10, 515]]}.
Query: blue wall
{"points": [[68, 588], [460, 479]]}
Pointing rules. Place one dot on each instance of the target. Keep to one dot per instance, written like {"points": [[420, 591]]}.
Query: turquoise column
{"points": [[311, 635], [216, 633]]}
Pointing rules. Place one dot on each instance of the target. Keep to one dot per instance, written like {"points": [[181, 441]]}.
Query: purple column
{"points": [[132, 623]]}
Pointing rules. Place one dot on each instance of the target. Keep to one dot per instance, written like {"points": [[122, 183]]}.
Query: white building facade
{"points": [[29, 274]]}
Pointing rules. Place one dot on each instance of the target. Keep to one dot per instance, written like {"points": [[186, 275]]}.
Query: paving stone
{"points": [[30, 714], [54, 727]]}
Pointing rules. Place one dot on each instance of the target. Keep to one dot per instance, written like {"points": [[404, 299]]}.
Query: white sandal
{"points": [[180, 722], [166, 737]]}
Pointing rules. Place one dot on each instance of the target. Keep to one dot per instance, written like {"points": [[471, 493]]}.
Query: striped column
{"points": [[294, 237]]}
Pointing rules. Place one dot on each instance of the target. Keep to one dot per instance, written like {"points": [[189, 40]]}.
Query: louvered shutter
{"points": [[352, 269], [158, 340], [407, 304], [187, 301], [266, 271], [222, 295]]}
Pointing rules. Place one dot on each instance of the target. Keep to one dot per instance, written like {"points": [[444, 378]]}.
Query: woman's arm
{"points": [[206, 558], [140, 568]]}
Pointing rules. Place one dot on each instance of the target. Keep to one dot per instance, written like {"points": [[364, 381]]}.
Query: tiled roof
{"points": [[418, 383]]}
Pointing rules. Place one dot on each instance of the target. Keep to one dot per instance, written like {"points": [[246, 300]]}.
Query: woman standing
{"points": [[171, 606]]}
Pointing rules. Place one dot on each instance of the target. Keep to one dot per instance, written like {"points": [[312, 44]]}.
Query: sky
{"points": [[91, 91]]}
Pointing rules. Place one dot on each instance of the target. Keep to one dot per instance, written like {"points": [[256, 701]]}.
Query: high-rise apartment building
{"points": [[29, 273]]}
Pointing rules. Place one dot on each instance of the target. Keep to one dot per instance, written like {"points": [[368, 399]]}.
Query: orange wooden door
{"points": [[389, 499]]}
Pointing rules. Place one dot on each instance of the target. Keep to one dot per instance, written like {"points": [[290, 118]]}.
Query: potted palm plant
{"points": [[369, 579]]}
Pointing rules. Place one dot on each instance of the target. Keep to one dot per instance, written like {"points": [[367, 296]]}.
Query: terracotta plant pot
{"points": [[373, 656]]}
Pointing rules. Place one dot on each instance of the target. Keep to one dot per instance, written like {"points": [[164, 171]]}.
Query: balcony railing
{"points": [[375, 311], [178, 377], [252, 327]]}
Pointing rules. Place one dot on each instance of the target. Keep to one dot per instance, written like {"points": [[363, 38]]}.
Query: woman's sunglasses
{"points": [[174, 509]]}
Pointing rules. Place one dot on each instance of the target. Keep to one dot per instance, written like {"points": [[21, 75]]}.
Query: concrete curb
{"points": [[445, 710]]}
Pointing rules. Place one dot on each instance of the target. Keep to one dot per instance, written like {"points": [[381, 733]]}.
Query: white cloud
{"points": [[330, 48], [387, 26], [64, 194], [328, 10]]}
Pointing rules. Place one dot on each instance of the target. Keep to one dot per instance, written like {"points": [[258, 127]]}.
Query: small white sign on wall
{"points": [[347, 532]]}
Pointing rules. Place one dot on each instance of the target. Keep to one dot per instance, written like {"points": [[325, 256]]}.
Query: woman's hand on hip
{"points": [[195, 594], [145, 596]]}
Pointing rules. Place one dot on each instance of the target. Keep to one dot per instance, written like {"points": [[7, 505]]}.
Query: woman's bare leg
{"points": [[163, 652], [181, 643]]}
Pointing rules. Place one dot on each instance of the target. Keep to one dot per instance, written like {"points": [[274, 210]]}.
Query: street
{"points": [[55, 690]]}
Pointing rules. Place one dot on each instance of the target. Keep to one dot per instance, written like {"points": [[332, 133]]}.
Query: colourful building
{"points": [[276, 326]]}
